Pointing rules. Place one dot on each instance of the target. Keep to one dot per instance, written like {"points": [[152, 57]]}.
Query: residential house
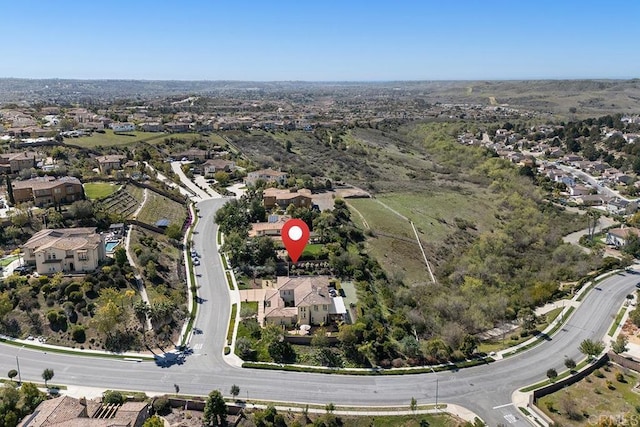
{"points": [[579, 190], [151, 127], [48, 190], [65, 249], [266, 175], [193, 154], [272, 228], [211, 166], [618, 206], [619, 237], [15, 162], [592, 199], [110, 162], [122, 127], [67, 411], [176, 127], [272, 197], [303, 300]]}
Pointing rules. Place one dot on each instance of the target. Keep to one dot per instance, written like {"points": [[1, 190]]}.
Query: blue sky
{"points": [[320, 40]]}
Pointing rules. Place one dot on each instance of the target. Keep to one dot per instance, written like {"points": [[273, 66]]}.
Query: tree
{"points": [[552, 374], [47, 374], [221, 177], [154, 421], [173, 231], [82, 209], [120, 255], [620, 344], [12, 200], [528, 318], [215, 410], [6, 305], [107, 317], [414, 404], [12, 374], [593, 218], [570, 363], [235, 391], [111, 396], [591, 348]]}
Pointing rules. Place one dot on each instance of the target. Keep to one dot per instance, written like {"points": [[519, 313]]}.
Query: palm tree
{"points": [[47, 374]]}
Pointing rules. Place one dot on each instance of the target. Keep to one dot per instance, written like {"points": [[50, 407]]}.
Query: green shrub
{"points": [[161, 405], [619, 377], [598, 373], [78, 334], [112, 396]]}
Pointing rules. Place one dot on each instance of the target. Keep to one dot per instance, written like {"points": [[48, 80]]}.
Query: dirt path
{"points": [[141, 288]]}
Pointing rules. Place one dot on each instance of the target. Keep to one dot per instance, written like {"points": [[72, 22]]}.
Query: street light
{"points": [[18, 363], [436, 375]]}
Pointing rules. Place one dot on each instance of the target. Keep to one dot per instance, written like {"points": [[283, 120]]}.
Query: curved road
{"points": [[485, 390]]}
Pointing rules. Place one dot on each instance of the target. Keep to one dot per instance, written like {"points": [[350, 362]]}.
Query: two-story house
{"points": [[272, 197], [110, 162], [65, 249], [47, 190], [266, 175], [303, 300], [15, 162], [211, 166]]}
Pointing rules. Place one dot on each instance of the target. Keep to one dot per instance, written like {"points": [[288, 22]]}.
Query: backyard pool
{"points": [[111, 245]]}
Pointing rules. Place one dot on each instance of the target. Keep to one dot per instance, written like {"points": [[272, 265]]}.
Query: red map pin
{"points": [[295, 235]]}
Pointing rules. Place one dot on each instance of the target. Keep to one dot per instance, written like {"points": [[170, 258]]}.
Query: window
{"points": [[324, 307], [315, 308], [82, 255]]}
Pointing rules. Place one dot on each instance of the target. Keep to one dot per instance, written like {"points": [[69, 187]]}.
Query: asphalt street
{"points": [[485, 389]]}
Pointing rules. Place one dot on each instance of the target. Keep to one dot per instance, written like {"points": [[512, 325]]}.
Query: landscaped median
{"points": [[364, 371], [74, 351]]}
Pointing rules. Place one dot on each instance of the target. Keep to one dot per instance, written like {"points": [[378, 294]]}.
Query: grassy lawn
{"points": [[312, 250], [110, 139], [99, 190], [593, 397], [8, 260], [158, 207], [394, 244], [249, 308]]}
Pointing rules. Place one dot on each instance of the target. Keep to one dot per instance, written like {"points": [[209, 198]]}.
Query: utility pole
{"points": [[19, 375]]}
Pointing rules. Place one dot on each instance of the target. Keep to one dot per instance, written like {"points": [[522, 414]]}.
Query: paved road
{"points": [[602, 189], [480, 389]]}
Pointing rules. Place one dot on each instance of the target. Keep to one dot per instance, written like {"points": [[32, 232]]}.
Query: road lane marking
{"points": [[511, 419], [502, 406]]}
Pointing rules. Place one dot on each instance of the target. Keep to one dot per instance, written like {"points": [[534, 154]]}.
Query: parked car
{"points": [[196, 261]]}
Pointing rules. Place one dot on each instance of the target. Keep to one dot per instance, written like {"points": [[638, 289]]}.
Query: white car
{"points": [[196, 261]]}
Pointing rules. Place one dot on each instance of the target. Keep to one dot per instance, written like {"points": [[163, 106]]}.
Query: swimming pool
{"points": [[111, 245]]}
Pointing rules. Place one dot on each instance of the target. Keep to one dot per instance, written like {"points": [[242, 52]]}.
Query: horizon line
{"points": [[329, 81]]}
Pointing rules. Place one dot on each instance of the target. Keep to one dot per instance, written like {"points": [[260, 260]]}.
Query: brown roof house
{"points": [[303, 300], [272, 197], [65, 249], [15, 162], [110, 162], [619, 237], [211, 166], [66, 411], [272, 228], [47, 190], [266, 175]]}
